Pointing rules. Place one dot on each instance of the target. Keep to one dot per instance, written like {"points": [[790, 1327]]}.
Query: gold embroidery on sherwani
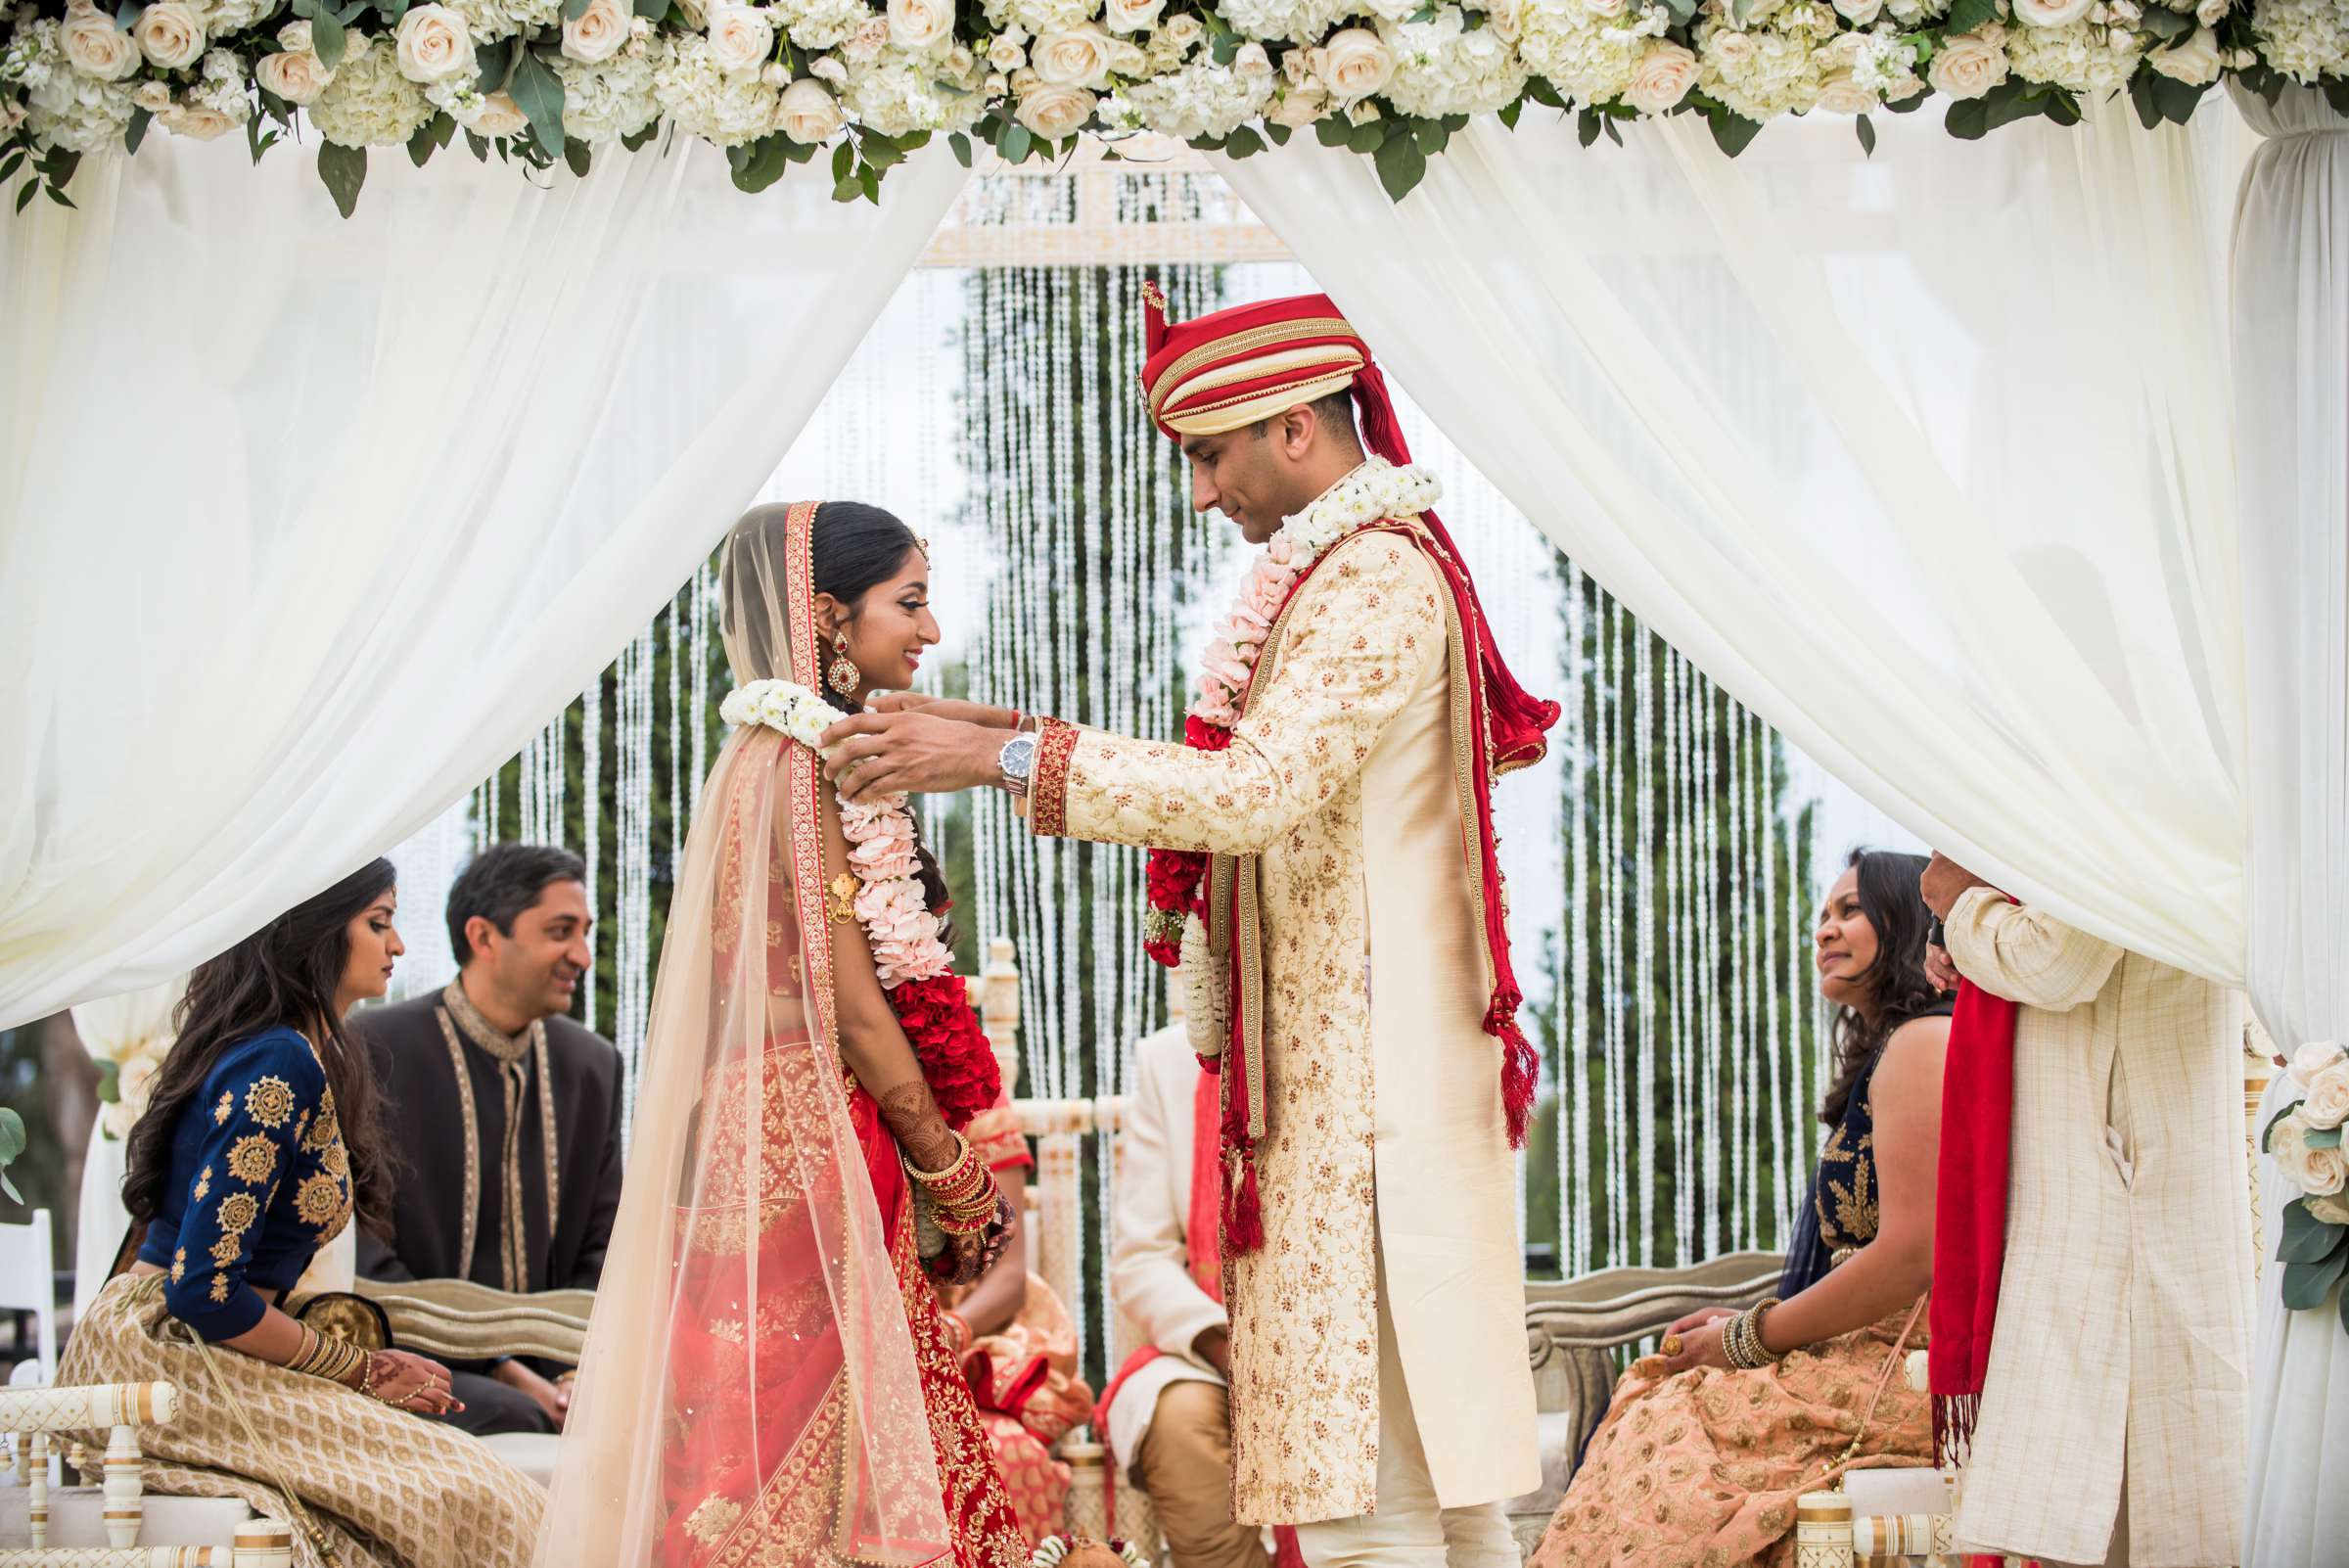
{"points": [[514, 1055]]}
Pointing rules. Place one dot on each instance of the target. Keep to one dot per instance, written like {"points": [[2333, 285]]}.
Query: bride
{"points": [[765, 1382]]}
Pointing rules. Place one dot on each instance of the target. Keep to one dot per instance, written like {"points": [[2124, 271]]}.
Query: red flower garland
{"points": [[958, 1061], [1175, 875]]}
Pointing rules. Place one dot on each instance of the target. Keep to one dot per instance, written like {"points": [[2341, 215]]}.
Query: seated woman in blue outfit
{"points": [[258, 1142]]}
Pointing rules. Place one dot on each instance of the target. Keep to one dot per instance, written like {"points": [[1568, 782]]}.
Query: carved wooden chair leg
{"points": [[264, 1544]]}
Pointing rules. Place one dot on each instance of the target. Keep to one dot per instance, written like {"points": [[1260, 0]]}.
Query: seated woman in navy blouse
{"points": [[258, 1145]]}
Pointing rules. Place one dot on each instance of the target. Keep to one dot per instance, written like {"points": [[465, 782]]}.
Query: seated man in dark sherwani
{"points": [[505, 1116]]}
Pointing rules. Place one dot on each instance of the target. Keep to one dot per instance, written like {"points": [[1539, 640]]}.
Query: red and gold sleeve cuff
{"points": [[1048, 785]]}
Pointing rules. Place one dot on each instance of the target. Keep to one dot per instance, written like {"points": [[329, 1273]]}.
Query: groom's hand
{"points": [[910, 753]]}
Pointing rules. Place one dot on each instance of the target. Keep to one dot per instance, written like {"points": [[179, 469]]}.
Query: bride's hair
{"points": [[1895, 980], [853, 548]]}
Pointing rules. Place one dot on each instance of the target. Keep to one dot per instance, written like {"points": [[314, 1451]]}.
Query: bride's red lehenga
{"points": [[768, 1383]]}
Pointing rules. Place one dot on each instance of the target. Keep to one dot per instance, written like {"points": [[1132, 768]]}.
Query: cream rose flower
{"points": [[2051, 13], [824, 67], [434, 45], [195, 122], [2211, 12], [153, 95], [2195, 60], [170, 34], [295, 75], [1859, 12], [2331, 1210], [2326, 1104], [1661, 78], [1507, 19], [499, 115], [740, 38], [1129, 59], [96, 47], [2314, 1058], [1252, 63], [1076, 56], [1299, 106], [865, 44], [918, 26], [598, 32], [1054, 112], [1133, 15], [1356, 62], [1005, 56], [810, 115], [2322, 1173], [1181, 33], [1969, 66], [1730, 48], [1840, 94]]}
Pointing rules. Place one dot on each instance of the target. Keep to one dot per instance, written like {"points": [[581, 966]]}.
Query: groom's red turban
{"points": [[1225, 371]]}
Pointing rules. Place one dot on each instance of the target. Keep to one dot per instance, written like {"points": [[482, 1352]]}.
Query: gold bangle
{"points": [[931, 1178]]}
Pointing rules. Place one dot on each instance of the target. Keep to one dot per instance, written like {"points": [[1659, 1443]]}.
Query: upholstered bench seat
{"points": [[77, 1518]]}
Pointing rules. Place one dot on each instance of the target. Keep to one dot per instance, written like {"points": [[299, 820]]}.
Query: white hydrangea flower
{"points": [[69, 109], [895, 95], [220, 86], [707, 102], [33, 55], [1587, 50], [1200, 99], [1762, 73], [822, 23], [235, 16], [492, 19], [2081, 56], [1444, 67], [1879, 59], [369, 103], [1039, 16], [1297, 21], [2304, 39], [611, 99]]}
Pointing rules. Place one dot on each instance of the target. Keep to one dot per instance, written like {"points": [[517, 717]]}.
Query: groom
{"points": [[1326, 848]]}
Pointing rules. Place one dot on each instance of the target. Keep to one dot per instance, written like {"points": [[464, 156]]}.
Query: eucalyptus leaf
{"points": [[1016, 144], [539, 93], [844, 160], [2140, 97], [12, 1137], [871, 178], [1278, 133], [577, 154], [127, 12], [1509, 112], [2306, 1284], [496, 60], [2175, 99], [32, 188], [1613, 135], [650, 10], [1732, 132], [643, 134], [1225, 48], [1430, 135], [2166, 24], [847, 189], [2306, 1238], [327, 38], [1332, 131], [10, 1187], [2323, 1137], [392, 10], [1539, 89], [1868, 135], [1682, 12], [1401, 164], [2336, 92], [573, 10], [1585, 126], [1244, 143], [345, 170], [2009, 101], [479, 146], [1968, 119], [422, 147], [962, 148], [11, 163], [136, 132], [1967, 15]]}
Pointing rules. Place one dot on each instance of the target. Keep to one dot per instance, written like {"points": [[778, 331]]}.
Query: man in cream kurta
{"points": [[2112, 1416], [1381, 1397]]}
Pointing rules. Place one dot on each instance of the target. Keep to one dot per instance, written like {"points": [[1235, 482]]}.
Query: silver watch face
{"points": [[1019, 756]]}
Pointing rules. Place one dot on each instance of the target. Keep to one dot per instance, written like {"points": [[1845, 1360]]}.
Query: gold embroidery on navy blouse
{"points": [[238, 1210], [222, 1111], [203, 1184], [335, 1161], [253, 1160], [179, 1264], [270, 1101], [323, 1129], [219, 1288], [225, 1249], [319, 1201], [301, 1124]]}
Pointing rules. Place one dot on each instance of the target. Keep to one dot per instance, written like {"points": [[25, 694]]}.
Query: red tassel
{"points": [[1154, 317], [1520, 1062], [1243, 1210]]}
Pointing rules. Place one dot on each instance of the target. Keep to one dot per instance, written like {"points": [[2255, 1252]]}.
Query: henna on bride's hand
{"points": [[911, 1112]]}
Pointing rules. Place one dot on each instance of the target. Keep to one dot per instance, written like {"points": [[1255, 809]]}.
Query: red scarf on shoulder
{"points": [[1969, 1211]]}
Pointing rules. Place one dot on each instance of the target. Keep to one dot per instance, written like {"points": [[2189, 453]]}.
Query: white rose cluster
{"points": [[1445, 66], [489, 21], [371, 102], [614, 98], [897, 95], [2304, 39], [2084, 56], [215, 104], [294, 73], [1200, 99], [2320, 1069], [1588, 49], [66, 105], [722, 106], [1037, 17], [221, 17]]}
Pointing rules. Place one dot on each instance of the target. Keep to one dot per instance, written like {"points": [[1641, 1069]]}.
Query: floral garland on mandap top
{"points": [[908, 936], [1374, 491], [2305, 1138], [564, 81]]}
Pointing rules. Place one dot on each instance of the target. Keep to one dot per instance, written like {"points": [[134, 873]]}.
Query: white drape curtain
{"points": [[2290, 324], [304, 524], [120, 1030], [1925, 456]]}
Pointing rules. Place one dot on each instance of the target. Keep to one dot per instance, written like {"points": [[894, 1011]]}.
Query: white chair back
{"points": [[29, 1281]]}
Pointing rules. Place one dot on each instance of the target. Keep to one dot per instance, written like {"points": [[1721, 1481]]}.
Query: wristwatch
{"points": [[1018, 763]]}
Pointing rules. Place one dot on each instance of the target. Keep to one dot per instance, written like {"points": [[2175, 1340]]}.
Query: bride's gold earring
{"points": [[843, 674]]}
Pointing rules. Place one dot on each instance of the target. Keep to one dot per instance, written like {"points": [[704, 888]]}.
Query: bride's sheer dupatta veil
{"points": [[749, 1393]]}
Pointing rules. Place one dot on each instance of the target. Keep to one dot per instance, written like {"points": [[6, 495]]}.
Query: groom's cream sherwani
{"points": [[1340, 798]]}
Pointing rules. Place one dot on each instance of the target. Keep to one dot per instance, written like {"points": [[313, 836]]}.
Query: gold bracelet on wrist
{"points": [[953, 1166]]}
